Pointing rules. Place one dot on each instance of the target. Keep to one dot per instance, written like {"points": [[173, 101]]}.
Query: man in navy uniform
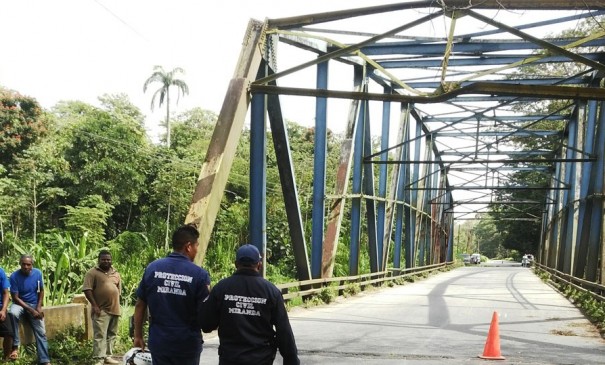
{"points": [[173, 288], [250, 314]]}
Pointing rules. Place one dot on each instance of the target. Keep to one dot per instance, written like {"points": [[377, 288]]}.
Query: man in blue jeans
{"points": [[27, 291]]}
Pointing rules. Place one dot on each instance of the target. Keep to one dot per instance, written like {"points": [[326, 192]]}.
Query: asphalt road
{"points": [[445, 319]]}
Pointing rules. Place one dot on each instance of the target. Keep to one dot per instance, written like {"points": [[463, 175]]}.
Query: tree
{"points": [[108, 155], [166, 79], [22, 122], [35, 174]]}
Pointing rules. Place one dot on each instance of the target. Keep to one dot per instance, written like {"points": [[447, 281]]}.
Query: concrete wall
{"points": [[57, 318]]}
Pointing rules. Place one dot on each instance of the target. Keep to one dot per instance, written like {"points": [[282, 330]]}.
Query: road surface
{"points": [[445, 319]]}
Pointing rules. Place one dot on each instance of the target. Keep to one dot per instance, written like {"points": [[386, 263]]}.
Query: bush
{"points": [[327, 295], [351, 289], [70, 347]]}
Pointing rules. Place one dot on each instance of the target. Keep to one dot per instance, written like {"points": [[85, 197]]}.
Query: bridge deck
{"points": [[445, 319]]}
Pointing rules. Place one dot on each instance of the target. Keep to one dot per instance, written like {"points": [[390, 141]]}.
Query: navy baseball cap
{"points": [[248, 254]]}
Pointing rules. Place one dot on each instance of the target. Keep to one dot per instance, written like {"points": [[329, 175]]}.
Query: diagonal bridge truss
{"points": [[431, 99]]}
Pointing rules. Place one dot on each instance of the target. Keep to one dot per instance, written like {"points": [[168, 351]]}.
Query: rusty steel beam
{"points": [[343, 172], [215, 170], [317, 18], [484, 88]]}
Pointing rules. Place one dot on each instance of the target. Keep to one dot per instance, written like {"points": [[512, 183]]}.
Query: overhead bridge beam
{"points": [[518, 202], [485, 88], [485, 162], [495, 219], [495, 153], [317, 18], [495, 187]]}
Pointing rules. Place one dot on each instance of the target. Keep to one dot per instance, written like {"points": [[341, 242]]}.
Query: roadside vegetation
{"points": [[592, 308]]}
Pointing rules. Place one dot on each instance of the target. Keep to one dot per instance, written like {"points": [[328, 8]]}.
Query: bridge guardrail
{"points": [[596, 290], [309, 287]]}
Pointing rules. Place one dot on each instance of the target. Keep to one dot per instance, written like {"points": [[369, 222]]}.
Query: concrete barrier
{"points": [[59, 317]]}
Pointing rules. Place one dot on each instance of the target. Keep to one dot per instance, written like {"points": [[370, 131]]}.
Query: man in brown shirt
{"points": [[102, 287]]}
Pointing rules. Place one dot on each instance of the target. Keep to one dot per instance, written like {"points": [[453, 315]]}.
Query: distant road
{"points": [[445, 320]]}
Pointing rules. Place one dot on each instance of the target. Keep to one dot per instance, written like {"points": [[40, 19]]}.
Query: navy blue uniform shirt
{"points": [[252, 320], [174, 289]]}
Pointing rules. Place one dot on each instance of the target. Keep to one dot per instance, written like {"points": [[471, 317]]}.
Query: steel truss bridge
{"points": [[441, 83]]}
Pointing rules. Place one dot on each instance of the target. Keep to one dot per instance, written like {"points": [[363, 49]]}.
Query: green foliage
{"points": [[351, 289], [312, 301], [104, 154], [131, 252], [166, 79], [489, 239], [327, 294], [593, 309], [22, 122], [89, 218], [63, 261], [69, 347]]}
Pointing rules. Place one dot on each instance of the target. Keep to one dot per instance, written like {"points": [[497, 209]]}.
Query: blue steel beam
{"points": [[499, 118], [412, 220], [554, 218], [382, 180], [585, 204], [545, 81], [549, 45], [319, 172], [283, 156], [402, 210], [368, 190], [475, 48], [565, 247], [449, 5], [465, 60], [556, 21], [595, 237], [258, 174], [518, 133]]}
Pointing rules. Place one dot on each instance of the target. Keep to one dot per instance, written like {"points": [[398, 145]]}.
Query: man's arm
{"points": [[139, 314], [96, 311], [5, 298], [40, 304], [88, 286], [209, 313], [284, 335], [17, 300]]}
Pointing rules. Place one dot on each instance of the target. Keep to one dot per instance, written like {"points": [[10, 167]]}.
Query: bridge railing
{"points": [[315, 286], [595, 290]]}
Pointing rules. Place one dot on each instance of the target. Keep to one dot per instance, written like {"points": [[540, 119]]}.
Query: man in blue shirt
{"points": [[6, 325], [173, 288], [27, 290]]}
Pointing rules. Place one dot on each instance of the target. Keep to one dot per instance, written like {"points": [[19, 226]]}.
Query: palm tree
{"points": [[166, 79]]}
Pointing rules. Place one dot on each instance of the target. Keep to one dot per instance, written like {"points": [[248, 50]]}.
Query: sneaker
{"points": [[109, 360]]}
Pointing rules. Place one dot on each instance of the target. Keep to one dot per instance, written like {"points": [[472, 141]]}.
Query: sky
{"points": [[81, 49]]}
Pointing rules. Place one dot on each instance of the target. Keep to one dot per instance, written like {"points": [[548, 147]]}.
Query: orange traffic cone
{"points": [[491, 351]]}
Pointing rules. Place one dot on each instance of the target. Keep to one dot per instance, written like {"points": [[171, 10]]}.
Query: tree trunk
{"points": [[35, 207], [166, 241], [168, 116]]}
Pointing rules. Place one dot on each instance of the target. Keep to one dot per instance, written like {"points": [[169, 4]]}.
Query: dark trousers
{"points": [[175, 359]]}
